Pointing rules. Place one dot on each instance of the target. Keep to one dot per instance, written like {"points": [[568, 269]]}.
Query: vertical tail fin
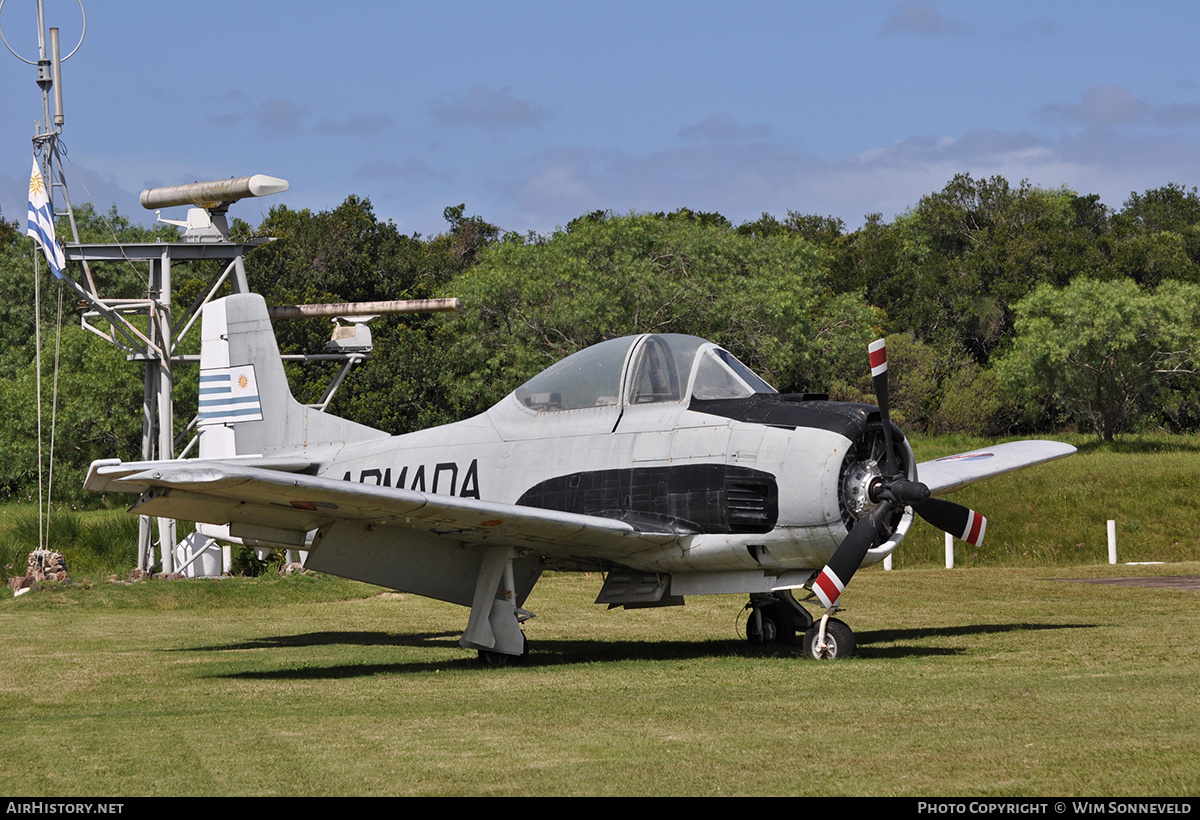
{"points": [[246, 406]]}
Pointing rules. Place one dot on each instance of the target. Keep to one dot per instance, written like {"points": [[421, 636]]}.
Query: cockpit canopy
{"points": [[646, 369]]}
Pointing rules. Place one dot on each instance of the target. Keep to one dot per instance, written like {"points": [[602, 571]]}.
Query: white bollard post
{"points": [[1112, 541], [887, 562], [949, 551]]}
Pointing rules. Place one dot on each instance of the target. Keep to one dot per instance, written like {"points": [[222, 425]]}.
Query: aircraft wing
{"points": [[272, 495], [944, 475]]}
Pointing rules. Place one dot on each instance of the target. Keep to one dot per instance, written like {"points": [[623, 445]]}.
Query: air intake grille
{"points": [[748, 505]]}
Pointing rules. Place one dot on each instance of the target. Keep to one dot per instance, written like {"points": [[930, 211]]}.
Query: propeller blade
{"points": [[849, 555], [888, 490], [961, 522], [877, 351]]}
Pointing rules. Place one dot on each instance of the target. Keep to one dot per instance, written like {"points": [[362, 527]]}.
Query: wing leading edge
{"points": [[945, 475], [274, 493]]}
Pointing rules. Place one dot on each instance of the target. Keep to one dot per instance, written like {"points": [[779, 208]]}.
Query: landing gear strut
{"points": [[775, 618], [829, 639]]}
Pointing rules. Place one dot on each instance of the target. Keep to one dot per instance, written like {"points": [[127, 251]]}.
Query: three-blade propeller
{"points": [[892, 487]]}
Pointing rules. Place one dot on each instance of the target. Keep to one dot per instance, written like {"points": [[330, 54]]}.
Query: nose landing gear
{"points": [[829, 639], [778, 618]]}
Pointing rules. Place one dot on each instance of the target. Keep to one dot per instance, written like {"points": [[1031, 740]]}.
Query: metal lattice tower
{"points": [[154, 338]]}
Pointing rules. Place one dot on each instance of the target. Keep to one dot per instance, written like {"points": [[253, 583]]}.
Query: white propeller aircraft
{"points": [[659, 460]]}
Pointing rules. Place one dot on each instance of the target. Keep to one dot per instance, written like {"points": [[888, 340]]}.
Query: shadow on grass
{"points": [[580, 652], [334, 639], [867, 640], [1137, 446]]}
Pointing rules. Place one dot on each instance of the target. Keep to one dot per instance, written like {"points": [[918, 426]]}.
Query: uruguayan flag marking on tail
{"points": [[228, 395]]}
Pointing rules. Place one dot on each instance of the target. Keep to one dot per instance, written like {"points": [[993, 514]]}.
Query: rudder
{"points": [[246, 405]]}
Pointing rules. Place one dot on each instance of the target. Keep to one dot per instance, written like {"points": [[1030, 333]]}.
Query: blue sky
{"points": [[533, 113]]}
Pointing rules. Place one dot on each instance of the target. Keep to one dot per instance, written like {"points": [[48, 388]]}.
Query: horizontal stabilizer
{"points": [[112, 475]]}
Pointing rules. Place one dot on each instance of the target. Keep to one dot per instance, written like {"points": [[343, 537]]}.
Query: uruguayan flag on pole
{"points": [[229, 395], [41, 222]]}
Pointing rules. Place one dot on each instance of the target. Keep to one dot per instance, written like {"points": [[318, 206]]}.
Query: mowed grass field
{"points": [[989, 682], [1000, 677]]}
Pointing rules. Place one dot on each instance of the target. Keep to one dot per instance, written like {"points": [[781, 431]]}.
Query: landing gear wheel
{"points": [[785, 614], [764, 634], [496, 660], [839, 641]]}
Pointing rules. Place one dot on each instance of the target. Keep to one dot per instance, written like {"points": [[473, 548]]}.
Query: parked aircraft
{"points": [[659, 460]]}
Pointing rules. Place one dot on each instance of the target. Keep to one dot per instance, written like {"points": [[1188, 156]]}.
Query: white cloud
{"points": [[279, 114], [922, 17], [741, 180], [355, 124], [410, 170], [1176, 115], [487, 108]]}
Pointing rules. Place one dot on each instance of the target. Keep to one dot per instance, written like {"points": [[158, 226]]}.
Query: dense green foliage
{"points": [[100, 393], [1008, 308], [348, 255], [529, 304], [1104, 352]]}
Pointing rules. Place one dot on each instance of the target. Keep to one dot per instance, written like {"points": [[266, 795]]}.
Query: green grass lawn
{"points": [[977, 681], [997, 678], [1056, 513]]}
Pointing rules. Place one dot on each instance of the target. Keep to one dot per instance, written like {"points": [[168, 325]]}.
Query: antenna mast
{"points": [[48, 130], [153, 338]]}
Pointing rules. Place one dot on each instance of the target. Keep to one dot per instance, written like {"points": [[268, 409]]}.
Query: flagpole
{"points": [[37, 359]]}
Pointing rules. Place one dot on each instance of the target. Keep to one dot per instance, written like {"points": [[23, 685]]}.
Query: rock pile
{"points": [[43, 565]]}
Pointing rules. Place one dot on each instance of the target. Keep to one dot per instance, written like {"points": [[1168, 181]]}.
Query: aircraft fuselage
{"points": [[736, 494]]}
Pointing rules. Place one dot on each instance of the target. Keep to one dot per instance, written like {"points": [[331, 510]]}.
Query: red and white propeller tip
{"points": [[828, 588], [878, 353]]}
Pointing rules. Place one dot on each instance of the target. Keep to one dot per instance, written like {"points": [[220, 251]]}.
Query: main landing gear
{"points": [[775, 618], [498, 659], [778, 618]]}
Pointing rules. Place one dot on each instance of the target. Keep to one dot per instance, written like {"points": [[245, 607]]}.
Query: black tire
{"points": [[497, 660], [767, 635], [839, 641]]}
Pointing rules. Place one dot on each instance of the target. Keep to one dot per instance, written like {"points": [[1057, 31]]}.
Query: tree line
{"points": [[1007, 308]]}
